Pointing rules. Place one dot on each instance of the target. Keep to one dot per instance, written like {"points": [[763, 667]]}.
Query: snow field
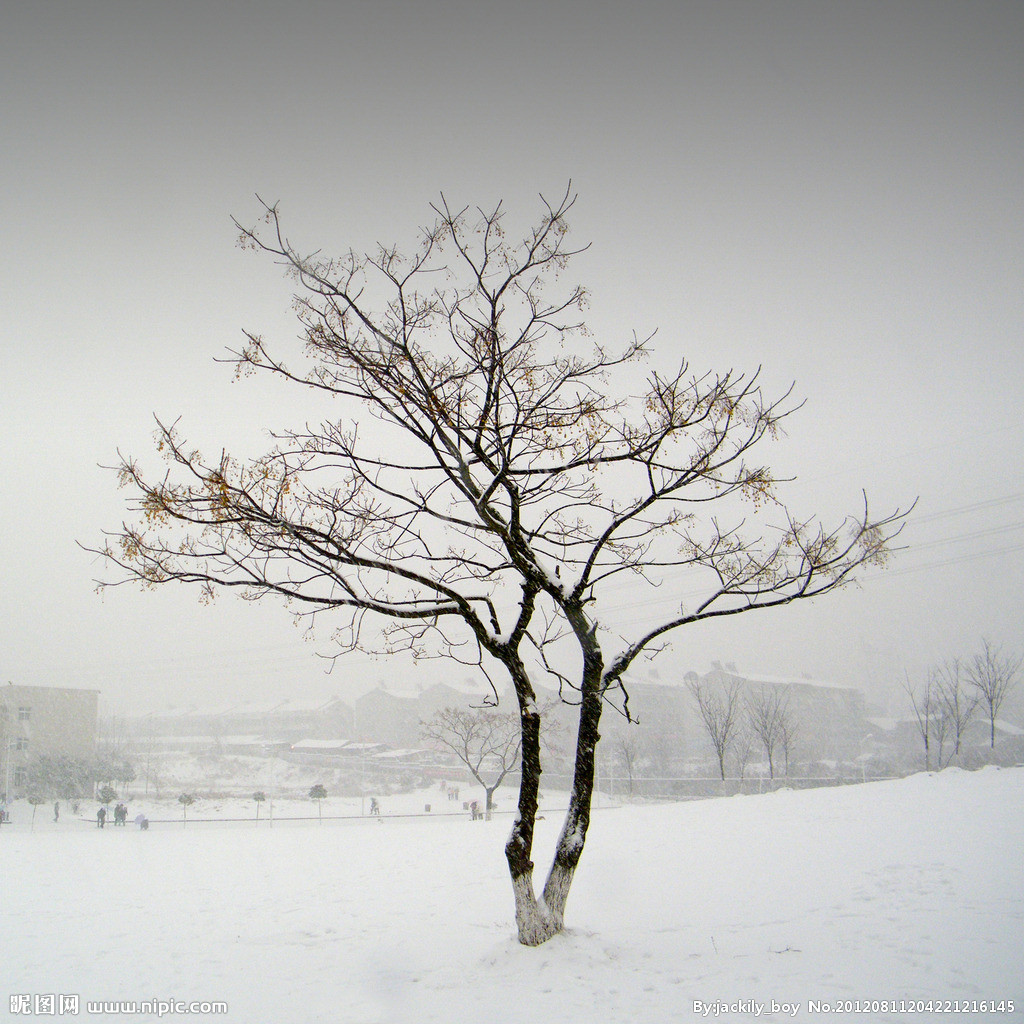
{"points": [[905, 890]]}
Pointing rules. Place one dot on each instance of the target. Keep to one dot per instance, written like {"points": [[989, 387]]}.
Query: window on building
{"points": [[20, 777], [21, 743], [24, 714]]}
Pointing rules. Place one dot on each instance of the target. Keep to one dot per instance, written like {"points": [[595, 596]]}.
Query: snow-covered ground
{"points": [[908, 891]]}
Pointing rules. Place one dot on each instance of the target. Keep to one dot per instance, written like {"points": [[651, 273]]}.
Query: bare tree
{"points": [[625, 750], [486, 742], [743, 748], [719, 711], [923, 702], [956, 707], [503, 486], [940, 731], [993, 675], [768, 713], [788, 730]]}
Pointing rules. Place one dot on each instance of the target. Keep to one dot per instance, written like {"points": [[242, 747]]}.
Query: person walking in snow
{"points": [[101, 817], [56, 810]]}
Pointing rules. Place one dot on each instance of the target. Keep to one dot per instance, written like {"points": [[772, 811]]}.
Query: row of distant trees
{"points": [[957, 692], [739, 720], [486, 741], [107, 794], [730, 716]]}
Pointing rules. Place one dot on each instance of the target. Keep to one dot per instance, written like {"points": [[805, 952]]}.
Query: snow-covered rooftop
{"points": [[313, 744]]}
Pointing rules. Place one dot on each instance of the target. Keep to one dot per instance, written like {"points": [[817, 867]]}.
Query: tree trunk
{"points": [[577, 818], [534, 923], [538, 920]]}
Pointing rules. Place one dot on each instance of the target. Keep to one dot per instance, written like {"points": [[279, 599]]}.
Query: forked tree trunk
{"points": [[538, 920], [533, 924], [577, 817]]}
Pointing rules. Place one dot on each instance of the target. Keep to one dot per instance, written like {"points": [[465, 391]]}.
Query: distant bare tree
{"points": [[719, 708], [483, 474], [940, 732], [743, 748], [126, 775], [788, 729], [486, 742], [768, 712], [956, 707], [626, 750], [993, 675], [923, 701]]}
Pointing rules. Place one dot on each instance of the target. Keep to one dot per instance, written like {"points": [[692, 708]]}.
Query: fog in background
{"points": [[831, 191]]}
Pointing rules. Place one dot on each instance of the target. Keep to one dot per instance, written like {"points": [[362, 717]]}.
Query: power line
{"points": [[960, 537], [972, 557], [1006, 499]]}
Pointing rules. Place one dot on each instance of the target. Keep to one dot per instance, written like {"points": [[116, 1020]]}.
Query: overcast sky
{"points": [[830, 190]]}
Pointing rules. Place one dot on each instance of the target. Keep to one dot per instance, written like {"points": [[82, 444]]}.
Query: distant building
{"points": [[43, 721], [252, 727], [332, 753], [393, 716], [830, 721]]}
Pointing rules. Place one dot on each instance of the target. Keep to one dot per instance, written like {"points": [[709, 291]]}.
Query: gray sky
{"points": [[829, 190]]}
